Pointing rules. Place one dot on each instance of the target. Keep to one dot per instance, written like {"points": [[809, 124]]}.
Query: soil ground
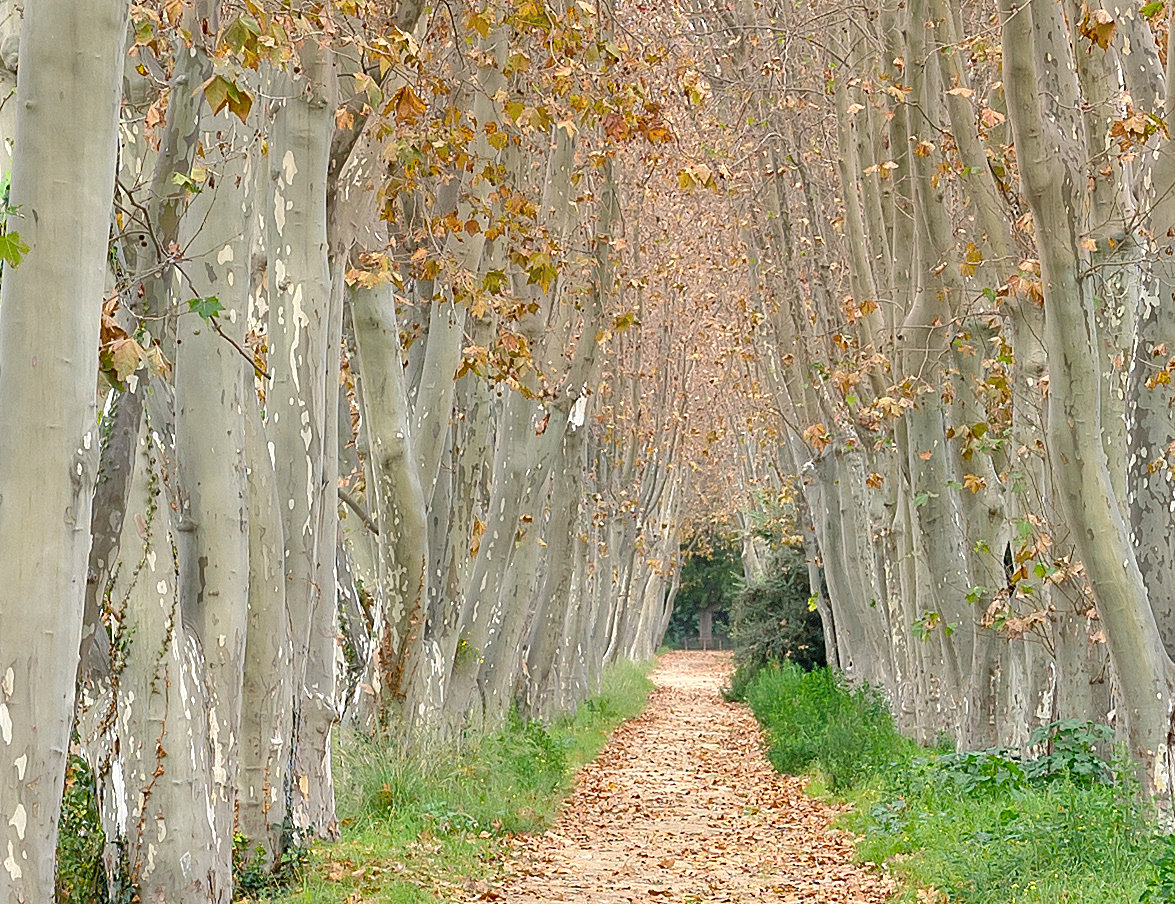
{"points": [[683, 807]]}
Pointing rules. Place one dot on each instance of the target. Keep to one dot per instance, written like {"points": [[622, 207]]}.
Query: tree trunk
{"points": [[49, 317]]}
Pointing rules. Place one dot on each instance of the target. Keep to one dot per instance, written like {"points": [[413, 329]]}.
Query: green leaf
{"points": [[12, 248], [236, 35], [1150, 10], [185, 181], [206, 307], [495, 282]]}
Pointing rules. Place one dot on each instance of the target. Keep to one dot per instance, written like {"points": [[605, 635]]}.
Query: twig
{"points": [[358, 510]]}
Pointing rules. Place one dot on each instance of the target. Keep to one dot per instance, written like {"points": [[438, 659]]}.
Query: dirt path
{"points": [[682, 807]]}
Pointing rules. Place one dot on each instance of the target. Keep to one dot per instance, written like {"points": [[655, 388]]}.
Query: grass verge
{"points": [[978, 827], [422, 829]]}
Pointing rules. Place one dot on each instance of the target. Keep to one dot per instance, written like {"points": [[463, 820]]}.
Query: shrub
{"points": [[772, 620], [977, 827]]}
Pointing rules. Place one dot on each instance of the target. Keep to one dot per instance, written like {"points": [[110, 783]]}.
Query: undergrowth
{"points": [[425, 827], [973, 827], [81, 877]]}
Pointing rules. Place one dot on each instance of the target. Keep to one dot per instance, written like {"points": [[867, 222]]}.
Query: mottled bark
{"points": [[1051, 160], [212, 380], [49, 316], [267, 717], [297, 406]]}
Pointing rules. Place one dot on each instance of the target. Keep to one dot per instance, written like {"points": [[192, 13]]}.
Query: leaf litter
{"points": [[682, 807]]}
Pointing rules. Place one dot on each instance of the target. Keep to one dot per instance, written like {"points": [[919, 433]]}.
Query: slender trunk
{"points": [[267, 718]]}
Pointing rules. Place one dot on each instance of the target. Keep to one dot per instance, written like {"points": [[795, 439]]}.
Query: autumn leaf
{"points": [[365, 84], [818, 437], [971, 260], [221, 93], [478, 22], [408, 107], [1097, 26], [120, 358]]}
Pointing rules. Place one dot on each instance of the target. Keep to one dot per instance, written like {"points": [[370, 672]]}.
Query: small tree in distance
{"points": [[711, 575], [772, 619]]}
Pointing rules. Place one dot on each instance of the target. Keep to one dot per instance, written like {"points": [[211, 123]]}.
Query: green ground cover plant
{"points": [[423, 828], [972, 827]]}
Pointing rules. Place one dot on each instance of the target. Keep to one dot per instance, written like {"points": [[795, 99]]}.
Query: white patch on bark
{"points": [[12, 866], [5, 724], [279, 220], [118, 782], [19, 821], [21, 763], [289, 167]]}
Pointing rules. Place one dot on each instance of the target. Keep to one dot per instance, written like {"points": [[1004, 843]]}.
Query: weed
{"points": [[1071, 747], [1160, 886], [254, 875]]}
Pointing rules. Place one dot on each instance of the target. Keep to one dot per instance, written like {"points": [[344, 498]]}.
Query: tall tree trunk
{"points": [[1052, 159], [49, 317], [297, 400], [211, 373]]}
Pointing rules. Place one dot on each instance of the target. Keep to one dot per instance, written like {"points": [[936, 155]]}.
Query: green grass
{"points": [[1059, 842], [977, 827], [425, 828], [814, 722]]}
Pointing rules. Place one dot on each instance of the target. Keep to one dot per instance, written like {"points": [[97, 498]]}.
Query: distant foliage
{"points": [[772, 620], [710, 577]]}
